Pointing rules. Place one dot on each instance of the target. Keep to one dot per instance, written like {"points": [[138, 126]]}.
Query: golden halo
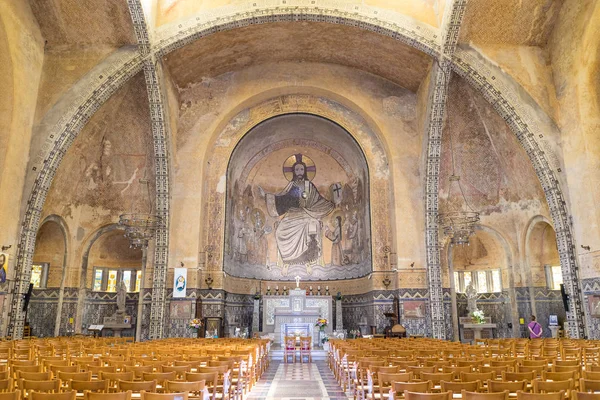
{"points": [[288, 166]]}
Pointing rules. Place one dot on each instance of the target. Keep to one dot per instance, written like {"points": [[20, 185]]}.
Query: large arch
{"points": [[219, 154], [504, 98]]}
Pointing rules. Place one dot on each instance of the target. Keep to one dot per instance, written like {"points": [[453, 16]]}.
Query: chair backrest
{"points": [[77, 376], [476, 376], [436, 377], [163, 396], [518, 376], [589, 385], [63, 368], [192, 387], [541, 396], [290, 343], [48, 386], [25, 368], [385, 380], [113, 378], [6, 385], [179, 370], [593, 375], [35, 376], [15, 395], [416, 387], [209, 378], [138, 372], [100, 386], [484, 396], [107, 396], [559, 376], [585, 396], [456, 387], [70, 395], [541, 386], [4, 374], [427, 396], [511, 386], [136, 386]]}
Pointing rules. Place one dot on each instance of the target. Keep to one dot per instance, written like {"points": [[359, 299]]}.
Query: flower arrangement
{"points": [[478, 316], [355, 333], [195, 323], [321, 323]]}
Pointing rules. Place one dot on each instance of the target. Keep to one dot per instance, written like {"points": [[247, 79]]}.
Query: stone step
{"points": [[317, 354]]}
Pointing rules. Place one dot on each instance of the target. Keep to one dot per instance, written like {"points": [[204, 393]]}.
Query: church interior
{"points": [[179, 169]]}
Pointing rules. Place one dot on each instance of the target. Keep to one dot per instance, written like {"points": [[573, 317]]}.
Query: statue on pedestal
{"points": [[121, 296], [471, 293]]}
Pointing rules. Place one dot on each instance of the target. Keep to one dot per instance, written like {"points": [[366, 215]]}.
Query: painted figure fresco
{"points": [[301, 207]]}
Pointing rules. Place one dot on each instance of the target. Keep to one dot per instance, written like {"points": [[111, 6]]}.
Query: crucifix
{"points": [[337, 188], [297, 277]]}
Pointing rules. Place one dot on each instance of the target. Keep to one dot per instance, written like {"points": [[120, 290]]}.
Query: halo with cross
{"points": [[288, 166]]}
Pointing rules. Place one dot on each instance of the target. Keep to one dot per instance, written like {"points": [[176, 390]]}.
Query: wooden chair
{"points": [[541, 396], [289, 348], [34, 376], [113, 379], [76, 376], [15, 395], [161, 378], [53, 396], [138, 371], [136, 386], [436, 378], [384, 382], [196, 390], [6, 385], [511, 386], [457, 370], [179, 370], [223, 379], [63, 368], [477, 376], [589, 385], [518, 376], [305, 348], [398, 388], [24, 368], [427, 396], [4, 374], [540, 386], [107, 396], [98, 386], [211, 380], [457, 387], [497, 370], [48, 386], [591, 375], [163, 396], [585, 396], [465, 395]]}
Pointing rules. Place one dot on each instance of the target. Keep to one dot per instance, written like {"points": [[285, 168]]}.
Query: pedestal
{"points": [[554, 329], [321, 337]]}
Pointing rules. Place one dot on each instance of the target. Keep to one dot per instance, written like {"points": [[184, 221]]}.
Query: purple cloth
{"points": [[536, 328]]}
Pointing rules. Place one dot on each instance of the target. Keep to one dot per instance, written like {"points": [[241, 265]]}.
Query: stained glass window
{"points": [[112, 281], [37, 271], [138, 281], [497, 280], [127, 279], [98, 273], [482, 286]]}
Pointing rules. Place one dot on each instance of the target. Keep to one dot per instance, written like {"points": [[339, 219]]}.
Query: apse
{"points": [[297, 202]]}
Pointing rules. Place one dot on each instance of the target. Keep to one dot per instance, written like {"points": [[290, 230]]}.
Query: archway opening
{"points": [[46, 276], [111, 260], [297, 202]]}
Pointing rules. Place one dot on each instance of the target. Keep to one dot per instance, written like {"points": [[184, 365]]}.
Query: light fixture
{"points": [[458, 223], [141, 227], [209, 282], [386, 282]]}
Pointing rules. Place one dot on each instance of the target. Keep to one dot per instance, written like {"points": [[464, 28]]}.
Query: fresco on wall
{"points": [[298, 209]]}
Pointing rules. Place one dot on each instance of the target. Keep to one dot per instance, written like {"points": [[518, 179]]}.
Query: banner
{"points": [[179, 282], [3, 267]]}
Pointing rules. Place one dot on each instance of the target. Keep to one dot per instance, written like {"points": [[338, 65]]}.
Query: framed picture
{"points": [[414, 309], [181, 309], [212, 326], [594, 302], [553, 320]]}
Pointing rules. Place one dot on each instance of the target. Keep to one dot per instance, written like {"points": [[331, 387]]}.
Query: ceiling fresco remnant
{"points": [[297, 207]]}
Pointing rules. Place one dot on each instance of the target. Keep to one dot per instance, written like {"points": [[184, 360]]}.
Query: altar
{"points": [[296, 315]]}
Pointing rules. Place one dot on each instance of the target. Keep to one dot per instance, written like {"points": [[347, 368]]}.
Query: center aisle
{"points": [[297, 381]]}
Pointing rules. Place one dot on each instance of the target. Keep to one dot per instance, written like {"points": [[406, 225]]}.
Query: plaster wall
{"points": [[575, 54]]}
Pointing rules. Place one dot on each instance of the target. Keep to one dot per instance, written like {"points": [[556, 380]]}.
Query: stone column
{"points": [[339, 321], [256, 316]]}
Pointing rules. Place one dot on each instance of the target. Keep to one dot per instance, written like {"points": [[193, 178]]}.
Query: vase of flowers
{"points": [[196, 324], [321, 323], [478, 317]]}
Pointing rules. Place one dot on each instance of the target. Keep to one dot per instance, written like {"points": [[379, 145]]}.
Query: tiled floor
{"points": [[297, 381]]}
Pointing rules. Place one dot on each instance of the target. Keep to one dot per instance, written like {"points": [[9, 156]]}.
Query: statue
{"points": [[121, 296], [471, 293]]}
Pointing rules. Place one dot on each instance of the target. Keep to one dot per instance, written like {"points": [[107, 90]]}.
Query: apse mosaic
{"points": [[298, 206]]}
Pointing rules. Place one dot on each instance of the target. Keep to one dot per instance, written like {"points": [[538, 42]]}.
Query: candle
{"points": [[326, 287], [277, 287], [318, 287], [311, 288], [268, 287]]}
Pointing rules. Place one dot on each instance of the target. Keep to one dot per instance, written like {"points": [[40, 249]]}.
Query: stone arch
{"points": [[218, 156], [507, 258], [420, 36]]}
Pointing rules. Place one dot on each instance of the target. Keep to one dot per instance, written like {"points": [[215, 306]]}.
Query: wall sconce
{"points": [[209, 281], [582, 246], [4, 248], [386, 282]]}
